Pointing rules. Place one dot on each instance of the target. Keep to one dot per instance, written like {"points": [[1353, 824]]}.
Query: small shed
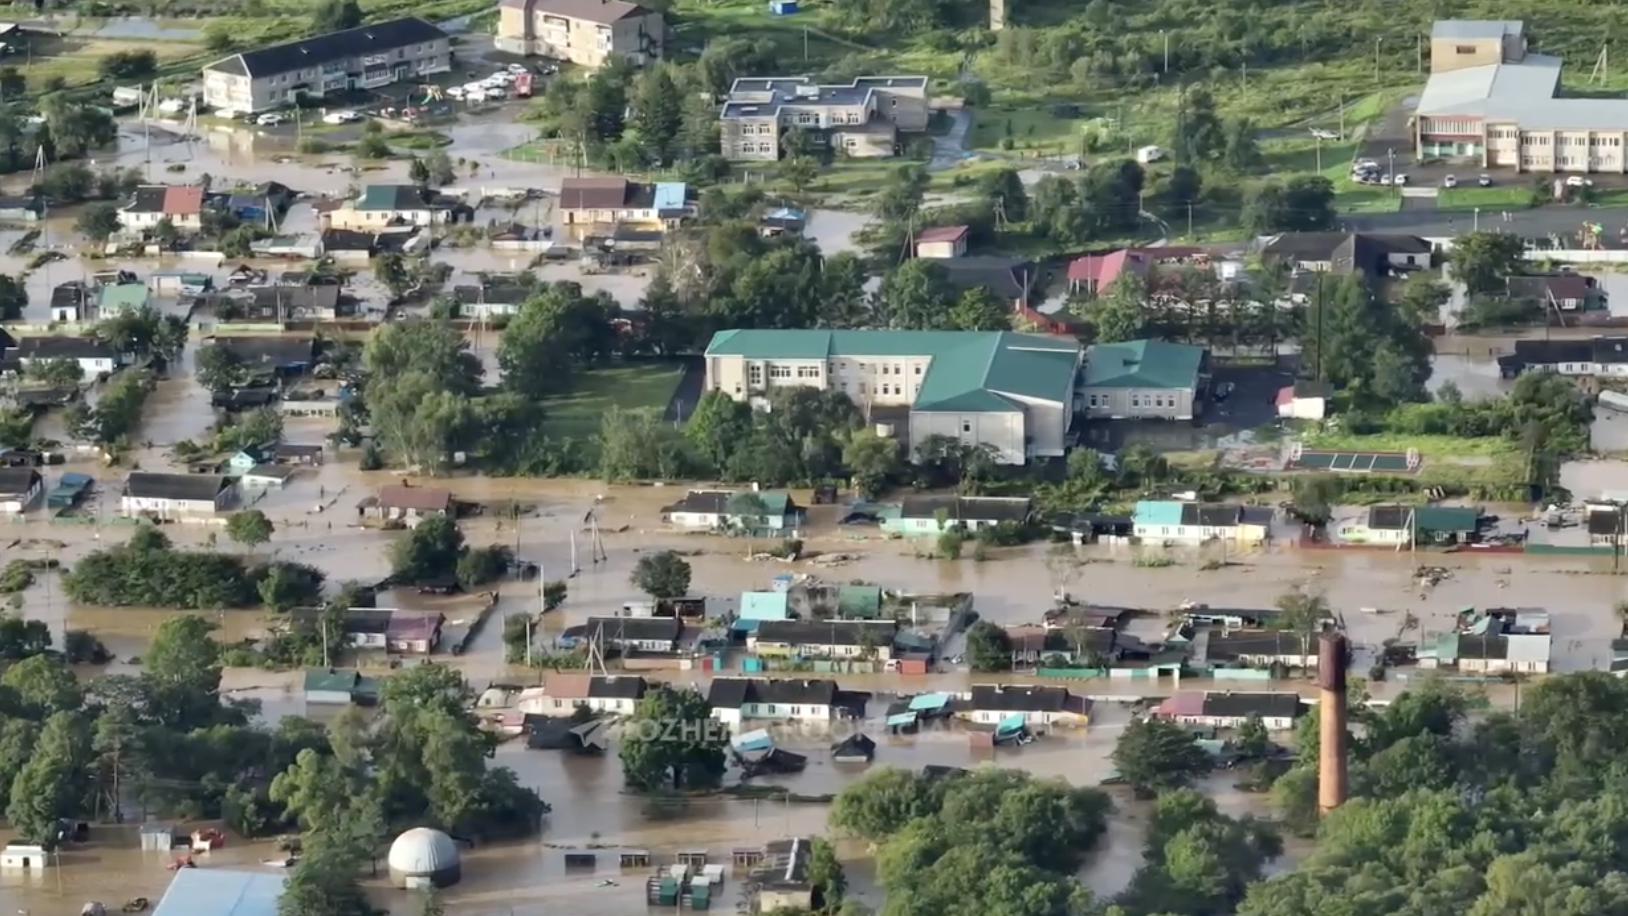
{"points": [[22, 855], [157, 836], [267, 476], [942, 242]]}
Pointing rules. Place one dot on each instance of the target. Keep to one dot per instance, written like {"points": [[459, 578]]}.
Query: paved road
{"points": [[1544, 221]]}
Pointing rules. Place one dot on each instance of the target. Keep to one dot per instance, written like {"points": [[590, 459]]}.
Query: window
{"points": [[754, 374], [797, 710], [1092, 400], [779, 372], [918, 368], [1136, 400], [966, 426], [1464, 49], [808, 372]]}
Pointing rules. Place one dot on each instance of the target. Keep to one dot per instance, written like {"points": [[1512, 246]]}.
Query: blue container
{"points": [[782, 7]]}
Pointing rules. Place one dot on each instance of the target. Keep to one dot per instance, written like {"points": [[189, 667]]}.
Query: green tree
{"points": [[978, 309], [316, 790], [97, 221], [1199, 132], [13, 298], [799, 173], [1121, 312], [872, 461], [431, 551], [1155, 755], [418, 172], [335, 16], [1002, 189], [391, 270], [989, 648], [43, 686], [672, 742], [658, 115], [900, 200], [249, 527], [559, 330], [1422, 298], [56, 373], [662, 575], [717, 427], [1252, 740], [917, 296], [1484, 261], [52, 784], [1243, 152]]}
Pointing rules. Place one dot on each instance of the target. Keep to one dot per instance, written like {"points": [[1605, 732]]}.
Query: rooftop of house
{"points": [[1226, 704], [421, 499], [1460, 519], [331, 679], [1521, 91], [1171, 513], [18, 481], [828, 632], [594, 686], [637, 629], [942, 234], [1304, 389], [393, 197], [1143, 364], [968, 508], [170, 200], [756, 97], [269, 352], [220, 892], [606, 194], [1009, 278], [1017, 698], [735, 692], [718, 502], [1103, 269], [62, 348], [1362, 252], [373, 38], [603, 12], [1556, 287], [971, 371], [1475, 29], [187, 487], [121, 296]]}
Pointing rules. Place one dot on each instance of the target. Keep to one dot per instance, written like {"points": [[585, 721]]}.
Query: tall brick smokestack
{"points": [[1331, 714]]}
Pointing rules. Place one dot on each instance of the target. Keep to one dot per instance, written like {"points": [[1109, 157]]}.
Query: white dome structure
{"points": [[423, 858]]}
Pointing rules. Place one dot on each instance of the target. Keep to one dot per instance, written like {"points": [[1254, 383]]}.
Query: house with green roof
{"points": [[339, 687], [1400, 525], [381, 205], [1145, 380], [758, 512], [1015, 393], [118, 298]]}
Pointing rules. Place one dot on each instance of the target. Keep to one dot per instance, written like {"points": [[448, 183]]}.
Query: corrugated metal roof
{"points": [[1529, 647], [670, 195], [220, 892], [1157, 512], [763, 606], [929, 701], [1475, 29]]}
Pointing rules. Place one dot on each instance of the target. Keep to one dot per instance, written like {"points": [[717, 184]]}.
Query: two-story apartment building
{"points": [[1492, 101], [1014, 393], [588, 33], [861, 119], [366, 57]]}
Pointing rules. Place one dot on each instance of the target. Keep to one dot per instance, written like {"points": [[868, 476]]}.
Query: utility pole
{"points": [[1376, 59], [1166, 36]]}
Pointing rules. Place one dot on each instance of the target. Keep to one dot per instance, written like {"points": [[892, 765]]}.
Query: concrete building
{"points": [[737, 700], [176, 495], [780, 880], [220, 892], [1492, 102], [862, 119], [424, 859], [335, 687], [1014, 393], [651, 635], [588, 33], [1145, 380], [366, 57], [1374, 256], [1393, 525], [1603, 357]]}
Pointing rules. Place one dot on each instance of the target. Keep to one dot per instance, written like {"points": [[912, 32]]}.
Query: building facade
{"points": [[366, 57], [1168, 520], [1012, 393], [588, 33], [1144, 380], [861, 119]]}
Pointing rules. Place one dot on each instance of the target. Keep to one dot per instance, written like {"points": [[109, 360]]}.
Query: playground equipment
{"points": [[1589, 236], [431, 94]]}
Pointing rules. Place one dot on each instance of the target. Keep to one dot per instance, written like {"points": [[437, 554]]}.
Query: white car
{"points": [[1399, 179], [479, 95], [516, 68], [1484, 181], [455, 92], [1451, 181], [230, 114], [1578, 181], [500, 79], [269, 119], [1366, 165], [341, 117]]}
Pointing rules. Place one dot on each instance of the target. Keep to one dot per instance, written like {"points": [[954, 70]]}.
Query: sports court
{"points": [[1304, 459]]}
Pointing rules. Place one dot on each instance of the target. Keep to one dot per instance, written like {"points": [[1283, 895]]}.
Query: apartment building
{"points": [[1491, 101], [1016, 393], [366, 57], [589, 33], [862, 119]]}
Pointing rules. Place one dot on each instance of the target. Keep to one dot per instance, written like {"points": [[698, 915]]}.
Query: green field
{"points": [[641, 386]]}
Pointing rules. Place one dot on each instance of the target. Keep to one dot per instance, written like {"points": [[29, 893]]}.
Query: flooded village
{"points": [[837, 640]]}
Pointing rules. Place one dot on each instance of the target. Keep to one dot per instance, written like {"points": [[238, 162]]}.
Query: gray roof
{"points": [[1475, 29], [373, 38], [1522, 93], [603, 12], [1529, 647], [753, 97], [220, 892]]}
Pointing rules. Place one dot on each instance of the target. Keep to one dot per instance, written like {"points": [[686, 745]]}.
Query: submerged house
{"points": [[736, 700], [932, 515], [1000, 704], [1226, 709], [824, 638], [741, 509]]}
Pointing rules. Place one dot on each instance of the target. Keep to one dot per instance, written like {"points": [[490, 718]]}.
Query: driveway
{"points": [[951, 148], [1538, 223]]}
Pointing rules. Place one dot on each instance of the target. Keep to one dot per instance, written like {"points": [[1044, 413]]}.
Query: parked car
{"points": [[1578, 181], [269, 119], [1451, 181], [1484, 181], [1399, 179], [341, 117]]}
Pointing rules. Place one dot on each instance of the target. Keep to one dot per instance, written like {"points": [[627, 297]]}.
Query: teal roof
{"points": [[971, 371], [1157, 512], [1143, 364], [764, 605], [859, 601], [122, 296], [1446, 518], [331, 680]]}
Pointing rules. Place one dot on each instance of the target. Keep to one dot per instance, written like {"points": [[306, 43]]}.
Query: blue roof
{"points": [[753, 741], [763, 605], [929, 701], [669, 195], [1158, 512], [903, 718], [1011, 723], [220, 892], [745, 626]]}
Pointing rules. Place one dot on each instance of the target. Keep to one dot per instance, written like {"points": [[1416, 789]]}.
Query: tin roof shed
{"points": [[220, 892]]}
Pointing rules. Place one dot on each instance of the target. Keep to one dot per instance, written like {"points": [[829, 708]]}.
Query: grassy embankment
{"points": [[640, 386], [1488, 464]]}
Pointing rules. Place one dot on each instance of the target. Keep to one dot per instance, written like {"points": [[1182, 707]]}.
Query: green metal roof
{"points": [[1143, 364], [123, 296], [970, 370], [1446, 518], [859, 601], [317, 679]]}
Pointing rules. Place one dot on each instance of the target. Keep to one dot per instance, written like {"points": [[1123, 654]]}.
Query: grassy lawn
{"points": [[74, 60], [1501, 198], [1445, 447], [642, 386]]}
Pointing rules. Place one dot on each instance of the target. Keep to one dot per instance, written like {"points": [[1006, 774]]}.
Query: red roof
{"points": [[942, 234], [1285, 395], [1104, 269], [183, 200], [1186, 703]]}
